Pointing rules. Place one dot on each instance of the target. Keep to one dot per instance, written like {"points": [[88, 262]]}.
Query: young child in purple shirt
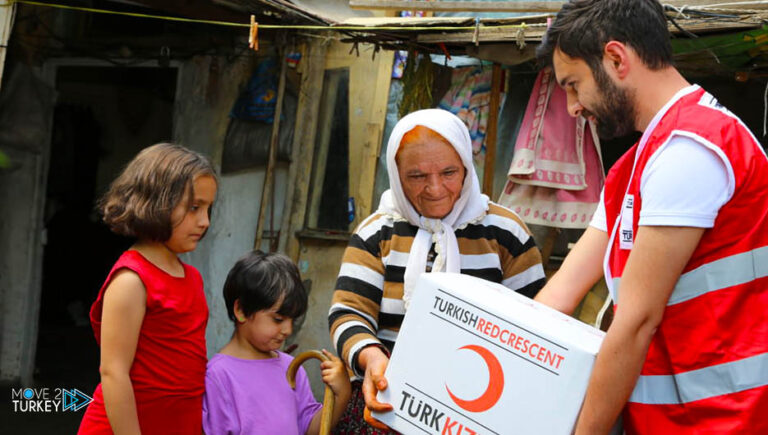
{"points": [[246, 390]]}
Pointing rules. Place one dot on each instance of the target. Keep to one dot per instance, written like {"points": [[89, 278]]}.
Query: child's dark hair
{"points": [[140, 201], [259, 280]]}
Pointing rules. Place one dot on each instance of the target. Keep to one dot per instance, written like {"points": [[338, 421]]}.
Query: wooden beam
{"points": [[512, 6], [198, 9], [266, 191], [490, 133], [703, 26], [534, 34], [502, 53], [703, 4], [504, 34], [457, 6]]}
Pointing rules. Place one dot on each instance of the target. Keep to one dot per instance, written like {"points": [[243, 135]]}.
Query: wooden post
{"points": [[302, 153], [322, 146], [490, 133], [548, 245], [365, 203], [266, 192]]}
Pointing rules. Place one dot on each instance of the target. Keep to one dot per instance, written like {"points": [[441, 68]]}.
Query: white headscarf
{"points": [[471, 206]]}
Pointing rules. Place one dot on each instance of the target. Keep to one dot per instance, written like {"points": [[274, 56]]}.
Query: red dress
{"points": [[168, 371]]}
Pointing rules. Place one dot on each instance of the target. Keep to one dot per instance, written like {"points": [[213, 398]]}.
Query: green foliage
{"points": [[734, 51]]}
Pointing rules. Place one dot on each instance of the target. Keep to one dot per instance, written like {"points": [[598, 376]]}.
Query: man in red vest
{"points": [[681, 234]]}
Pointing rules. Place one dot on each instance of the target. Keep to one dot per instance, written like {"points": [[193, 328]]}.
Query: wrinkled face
{"points": [[431, 174], [264, 330], [192, 220], [595, 96]]}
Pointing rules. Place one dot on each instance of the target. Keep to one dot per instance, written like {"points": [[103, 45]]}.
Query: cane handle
{"points": [[328, 398]]}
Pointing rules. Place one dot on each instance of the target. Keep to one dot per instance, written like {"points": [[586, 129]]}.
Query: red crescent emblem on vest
{"points": [[495, 387]]}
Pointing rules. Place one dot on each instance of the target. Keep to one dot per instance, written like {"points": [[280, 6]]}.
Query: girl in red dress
{"points": [[150, 315]]}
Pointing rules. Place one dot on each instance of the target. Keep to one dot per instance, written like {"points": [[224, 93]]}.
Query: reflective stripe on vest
{"points": [[719, 274], [704, 383]]}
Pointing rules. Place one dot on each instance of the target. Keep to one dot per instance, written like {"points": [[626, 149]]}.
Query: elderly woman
{"points": [[433, 219]]}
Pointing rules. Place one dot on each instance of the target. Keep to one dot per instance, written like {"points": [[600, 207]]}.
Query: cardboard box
{"points": [[473, 357]]}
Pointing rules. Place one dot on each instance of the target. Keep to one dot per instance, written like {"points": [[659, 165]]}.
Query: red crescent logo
{"points": [[492, 394]]}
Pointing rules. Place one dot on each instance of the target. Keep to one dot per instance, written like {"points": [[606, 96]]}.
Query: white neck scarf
{"points": [[470, 207]]}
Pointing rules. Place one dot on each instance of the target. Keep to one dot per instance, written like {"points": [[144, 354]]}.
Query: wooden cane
{"points": [[328, 398]]}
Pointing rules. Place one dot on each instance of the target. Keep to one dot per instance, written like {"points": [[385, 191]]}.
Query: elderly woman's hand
{"points": [[373, 360]]}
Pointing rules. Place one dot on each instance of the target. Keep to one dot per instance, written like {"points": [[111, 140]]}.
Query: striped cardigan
{"points": [[367, 307]]}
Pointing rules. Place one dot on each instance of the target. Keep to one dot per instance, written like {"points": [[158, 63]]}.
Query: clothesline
{"points": [[268, 26]]}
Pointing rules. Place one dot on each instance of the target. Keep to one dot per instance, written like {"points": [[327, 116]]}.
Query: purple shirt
{"points": [[253, 397]]}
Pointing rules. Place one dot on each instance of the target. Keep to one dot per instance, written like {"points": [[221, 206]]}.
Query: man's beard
{"points": [[615, 113]]}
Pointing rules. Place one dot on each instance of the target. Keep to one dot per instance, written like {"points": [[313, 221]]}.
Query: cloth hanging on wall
{"points": [[469, 98], [556, 173], [418, 76], [257, 102]]}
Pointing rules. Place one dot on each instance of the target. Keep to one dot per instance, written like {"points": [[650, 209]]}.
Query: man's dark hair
{"points": [[260, 280], [583, 27]]}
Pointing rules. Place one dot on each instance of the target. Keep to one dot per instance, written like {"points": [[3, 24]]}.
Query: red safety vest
{"points": [[706, 370]]}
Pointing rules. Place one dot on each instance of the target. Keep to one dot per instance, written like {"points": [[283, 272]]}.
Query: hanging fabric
{"points": [[557, 173], [469, 98], [258, 100], [418, 76]]}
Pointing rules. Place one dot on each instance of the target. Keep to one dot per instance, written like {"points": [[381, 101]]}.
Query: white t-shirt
{"points": [[685, 185]]}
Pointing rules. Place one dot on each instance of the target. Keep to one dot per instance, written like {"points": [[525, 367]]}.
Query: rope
{"points": [[261, 26], [680, 11], [520, 37], [603, 309]]}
